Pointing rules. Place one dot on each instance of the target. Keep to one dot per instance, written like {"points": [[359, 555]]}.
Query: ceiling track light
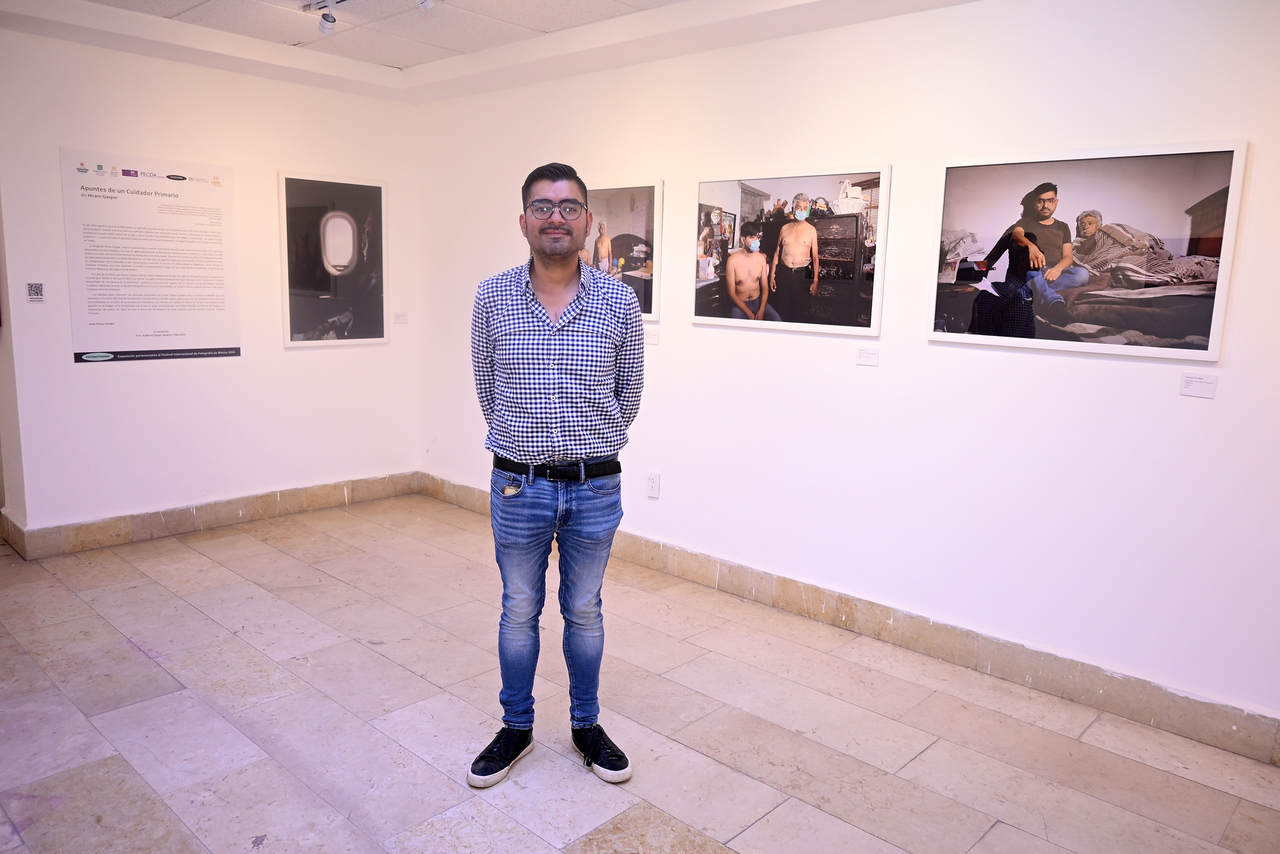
{"points": [[424, 5], [327, 23]]}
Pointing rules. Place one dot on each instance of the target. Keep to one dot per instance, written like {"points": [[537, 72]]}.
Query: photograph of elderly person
{"points": [[1147, 278], [817, 238]]}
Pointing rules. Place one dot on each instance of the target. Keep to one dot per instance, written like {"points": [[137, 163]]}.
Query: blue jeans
{"points": [[754, 305], [582, 517], [1047, 292]]}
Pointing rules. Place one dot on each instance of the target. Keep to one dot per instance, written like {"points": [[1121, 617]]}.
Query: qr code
{"points": [[35, 292]]}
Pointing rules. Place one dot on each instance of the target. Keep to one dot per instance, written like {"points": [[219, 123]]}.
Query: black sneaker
{"points": [[496, 760], [601, 755]]}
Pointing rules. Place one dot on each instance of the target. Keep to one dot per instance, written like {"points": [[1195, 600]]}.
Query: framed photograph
{"points": [[623, 239], [334, 286], [1125, 252], [794, 253]]}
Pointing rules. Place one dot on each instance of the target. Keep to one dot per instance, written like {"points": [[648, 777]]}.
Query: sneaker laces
{"points": [[599, 742], [503, 746]]}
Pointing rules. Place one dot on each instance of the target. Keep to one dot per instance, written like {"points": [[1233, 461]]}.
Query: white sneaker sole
{"points": [[605, 774], [498, 776]]}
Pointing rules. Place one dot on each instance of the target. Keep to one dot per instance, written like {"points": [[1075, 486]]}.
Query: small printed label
{"points": [[869, 356], [401, 317], [651, 335], [1199, 385], [35, 291]]}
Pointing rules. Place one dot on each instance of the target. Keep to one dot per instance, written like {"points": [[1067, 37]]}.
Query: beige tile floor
{"points": [[320, 683]]}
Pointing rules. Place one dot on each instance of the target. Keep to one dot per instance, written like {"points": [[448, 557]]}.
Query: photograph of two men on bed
{"points": [[1118, 250]]}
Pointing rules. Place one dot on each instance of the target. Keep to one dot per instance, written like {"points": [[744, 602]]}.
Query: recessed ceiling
{"points": [[393, 49]]}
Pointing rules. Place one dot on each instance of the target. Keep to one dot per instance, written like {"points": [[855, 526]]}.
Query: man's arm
{"points": [[731, 274], [773, 268], [482, 358], [764, 289], [813, 253], [629, 375], [1035, 256]]}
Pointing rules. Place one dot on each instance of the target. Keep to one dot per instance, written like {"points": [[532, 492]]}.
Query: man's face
{"points": [[555, 236], [1046, 204], [1088, 226], [802, 205]]}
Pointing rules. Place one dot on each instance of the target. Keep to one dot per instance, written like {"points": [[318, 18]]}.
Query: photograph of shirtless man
{"points": [[795, 262], [747, 272]]}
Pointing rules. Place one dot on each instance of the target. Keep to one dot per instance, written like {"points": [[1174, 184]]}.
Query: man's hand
{"points": [[813, 289], [1036, 256], [773, 283], [1052, 274]]}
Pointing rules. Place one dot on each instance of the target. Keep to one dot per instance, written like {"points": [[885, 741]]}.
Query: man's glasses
{"points": [[570, 209]]}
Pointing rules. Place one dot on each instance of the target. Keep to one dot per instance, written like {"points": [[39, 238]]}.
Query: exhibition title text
{"points": [[85, 189]]}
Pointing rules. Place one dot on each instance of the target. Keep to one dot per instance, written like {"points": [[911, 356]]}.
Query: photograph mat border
{"points": [[284, 262], [1240, 149], [877, 281]]}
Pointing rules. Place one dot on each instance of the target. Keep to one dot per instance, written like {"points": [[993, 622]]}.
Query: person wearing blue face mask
{"points": [[795, 263], [746, 271]]}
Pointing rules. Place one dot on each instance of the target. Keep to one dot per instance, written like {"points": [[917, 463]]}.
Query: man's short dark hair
{"points": [[1029, 200], [750, 229], [552, 172]]}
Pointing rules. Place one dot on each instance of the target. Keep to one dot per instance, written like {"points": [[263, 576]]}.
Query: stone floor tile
{"points": [[359, 679], [762, 618], [795, 822], [276, 571], [102, 807], [556, 798], [644, 827], [411, 591], [45, 734], [271, 811], [186, 572], [266, 622], [664, 705], [482, 692], [431, 653], [658, 612], [37, 603], [1158, 795], [871, 689], [699, 791], [1006, 839], [877, 740], [14, 570], [145, 550], [299, 541], [1070, 819], [1016, 701], [231, 676], [176, 741], [646, 647], [1254, 829], [381, 787], [621, 571], [98, 668], [19, 673], [325, 596], [893, 809], [329, 519], [444, 730], [224, 544], [474, 622], [472, 827], [1246, 778], [155, 618], [90, 569]]}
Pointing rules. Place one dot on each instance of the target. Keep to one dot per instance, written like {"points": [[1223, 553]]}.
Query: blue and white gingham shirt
{"points": [[563, 391]]}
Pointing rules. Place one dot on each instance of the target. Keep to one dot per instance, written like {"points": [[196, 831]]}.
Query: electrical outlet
{"points": [[653, 485]]}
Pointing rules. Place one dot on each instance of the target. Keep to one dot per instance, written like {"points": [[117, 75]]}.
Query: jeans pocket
{"points": [[504, 484], [608, 484]]}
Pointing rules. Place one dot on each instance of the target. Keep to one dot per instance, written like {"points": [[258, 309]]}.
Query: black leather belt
{"points": [[579, 470]]}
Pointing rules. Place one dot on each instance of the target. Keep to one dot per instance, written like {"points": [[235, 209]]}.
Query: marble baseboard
{"points": [[1235, 730]]}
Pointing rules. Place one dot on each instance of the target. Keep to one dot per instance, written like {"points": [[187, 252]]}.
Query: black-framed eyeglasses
{"points": [[570, 209]]}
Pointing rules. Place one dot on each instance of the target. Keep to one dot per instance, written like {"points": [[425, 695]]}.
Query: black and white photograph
{"points": [[797, 252], [1127, 254], [333, 262], [621, 241]]}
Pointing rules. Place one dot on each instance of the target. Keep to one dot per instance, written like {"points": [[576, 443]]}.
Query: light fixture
{"points": [[424, 5], [327, 23]]}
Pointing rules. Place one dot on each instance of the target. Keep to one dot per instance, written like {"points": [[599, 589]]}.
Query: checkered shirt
{"points": [[562, 391]]}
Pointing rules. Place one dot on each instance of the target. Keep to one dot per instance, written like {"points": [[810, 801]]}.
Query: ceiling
{"points": [[393, 49]]}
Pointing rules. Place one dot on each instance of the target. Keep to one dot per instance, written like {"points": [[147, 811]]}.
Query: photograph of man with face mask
{"points": [[747, 273], [795, 262]]}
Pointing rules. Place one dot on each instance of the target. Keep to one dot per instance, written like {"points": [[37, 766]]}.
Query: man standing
{"points": [[795, 263], [1040, 254], [558, 354], [604, 250]]}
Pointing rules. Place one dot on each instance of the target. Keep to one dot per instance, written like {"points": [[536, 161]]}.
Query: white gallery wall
{"points": [[110, 439], [1074, 503]]}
